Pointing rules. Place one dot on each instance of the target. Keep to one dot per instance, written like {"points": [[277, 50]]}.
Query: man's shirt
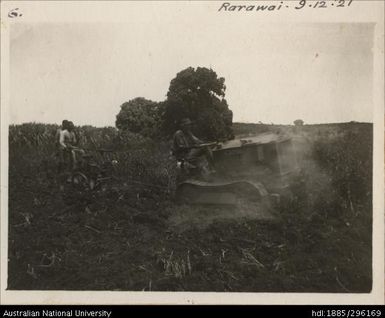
{"points": [[183, 142]]}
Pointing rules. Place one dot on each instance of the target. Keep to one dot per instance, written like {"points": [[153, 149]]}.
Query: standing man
{"points": [[60, 138], [72, 142]]}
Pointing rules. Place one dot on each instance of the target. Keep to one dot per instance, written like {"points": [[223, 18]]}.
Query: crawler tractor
{"points": [[252, 172]]}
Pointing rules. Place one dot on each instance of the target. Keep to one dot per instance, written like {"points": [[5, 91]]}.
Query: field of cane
{"points": [[122, 238]]}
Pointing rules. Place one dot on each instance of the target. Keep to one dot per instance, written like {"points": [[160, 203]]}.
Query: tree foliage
{"points": [[198, 94], [141, 116]]}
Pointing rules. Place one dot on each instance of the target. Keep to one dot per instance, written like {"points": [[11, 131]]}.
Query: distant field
{"points": [[122, 238]]}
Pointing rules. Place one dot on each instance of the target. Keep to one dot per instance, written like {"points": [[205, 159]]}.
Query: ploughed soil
{"points": [[136, 238]]}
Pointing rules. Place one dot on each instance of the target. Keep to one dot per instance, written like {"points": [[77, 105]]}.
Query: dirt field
{"points": [[134, 237]]}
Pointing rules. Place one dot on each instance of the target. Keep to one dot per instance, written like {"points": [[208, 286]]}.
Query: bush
{"points": [[140, 116]]}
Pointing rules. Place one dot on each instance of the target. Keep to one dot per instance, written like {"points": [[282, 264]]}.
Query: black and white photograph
{"points": [[196, 147]]}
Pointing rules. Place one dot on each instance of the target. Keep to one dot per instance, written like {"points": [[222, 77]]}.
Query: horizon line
{"points": [[236, 122]]}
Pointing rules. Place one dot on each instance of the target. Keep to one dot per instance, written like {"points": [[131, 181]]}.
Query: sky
{"points": [[274, 72]]}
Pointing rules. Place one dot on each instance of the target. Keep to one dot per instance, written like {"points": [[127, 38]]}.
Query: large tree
{"points": [[141, 116], [198, 94]]}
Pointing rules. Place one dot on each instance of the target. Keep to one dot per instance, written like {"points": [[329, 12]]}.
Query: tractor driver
{"points": [[190, 149]]}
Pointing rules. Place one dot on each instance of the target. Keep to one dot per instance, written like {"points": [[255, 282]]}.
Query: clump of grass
{"points": [[177, 267]]}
